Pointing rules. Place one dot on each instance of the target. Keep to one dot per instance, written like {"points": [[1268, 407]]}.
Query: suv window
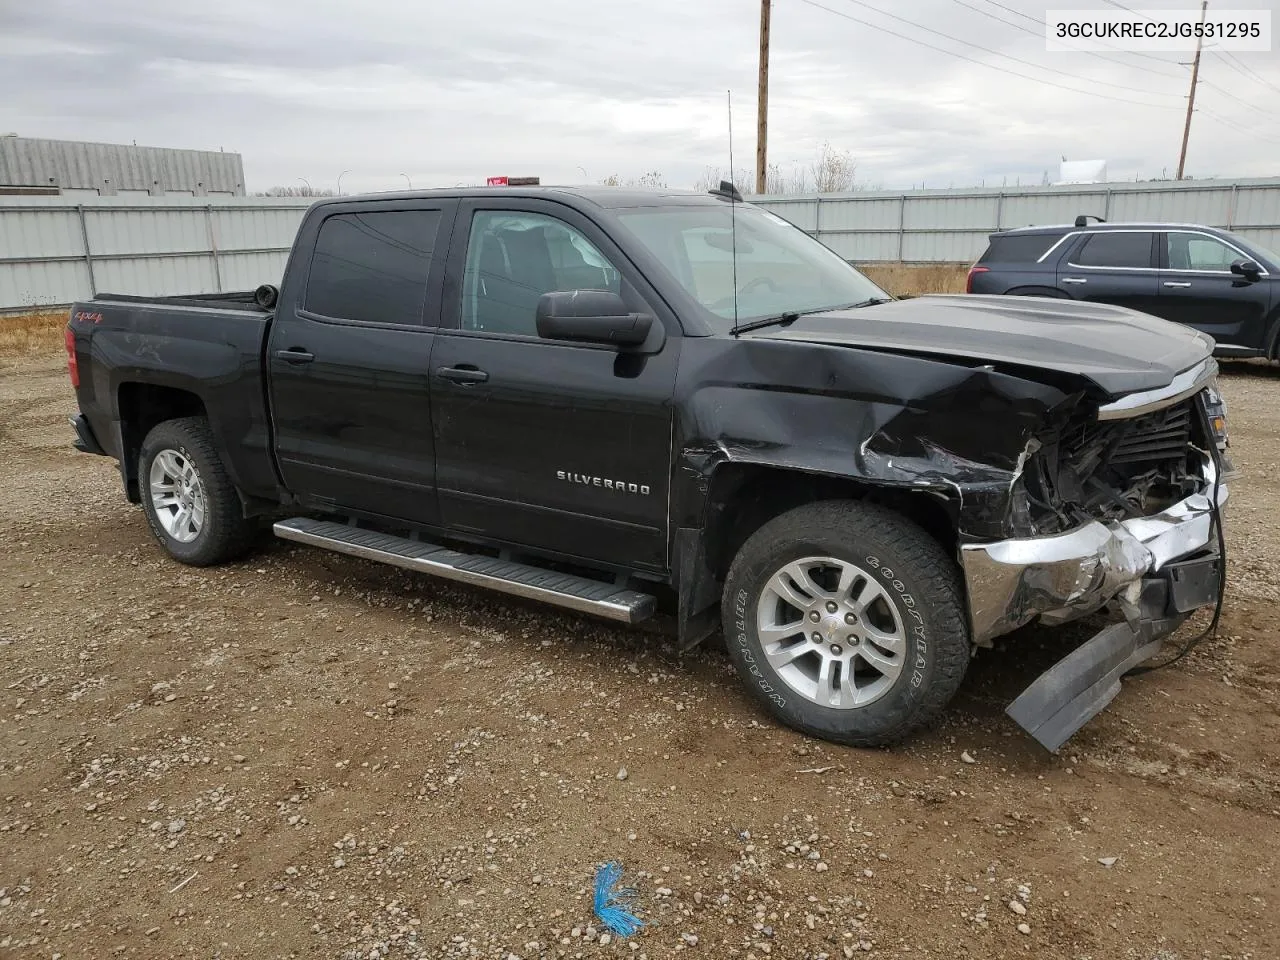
{"points": [[373, 266], [1194, 251], [1019, 248], [514, 258], [1115, 249]]}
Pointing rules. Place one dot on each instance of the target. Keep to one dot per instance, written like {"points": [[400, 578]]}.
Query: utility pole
{"points": [[762, 102], [1191, 98]]}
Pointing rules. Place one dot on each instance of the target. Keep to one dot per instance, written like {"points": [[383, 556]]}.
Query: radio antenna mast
{"points": [[733, 220]]}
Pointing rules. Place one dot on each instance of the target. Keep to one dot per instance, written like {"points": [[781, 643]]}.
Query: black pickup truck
{"points": [[617, 401]]}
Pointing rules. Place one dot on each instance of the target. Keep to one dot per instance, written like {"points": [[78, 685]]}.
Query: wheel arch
{"points": [[1038, 290], [742, 496], [745, 496], [141, 406]]}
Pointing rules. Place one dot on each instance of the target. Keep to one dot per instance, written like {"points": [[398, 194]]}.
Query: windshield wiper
{"points": [[791, 316], [782, 319]]}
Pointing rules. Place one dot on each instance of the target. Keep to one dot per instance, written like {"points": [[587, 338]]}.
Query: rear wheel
{"points": [[190, 502], [846, 621]]}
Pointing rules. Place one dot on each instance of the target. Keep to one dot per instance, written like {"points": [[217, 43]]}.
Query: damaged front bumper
{"points": [[1065, 576], [1159, 569]]}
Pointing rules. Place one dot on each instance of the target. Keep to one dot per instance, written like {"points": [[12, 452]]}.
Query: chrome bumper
{"points": [[1068, 575]]}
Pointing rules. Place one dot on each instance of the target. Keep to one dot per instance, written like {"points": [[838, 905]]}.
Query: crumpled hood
{"points": [[1119, 349]]}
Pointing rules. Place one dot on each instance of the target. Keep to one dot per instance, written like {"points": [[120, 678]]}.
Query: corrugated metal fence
{"points": [[53, 252], [922, 226]]}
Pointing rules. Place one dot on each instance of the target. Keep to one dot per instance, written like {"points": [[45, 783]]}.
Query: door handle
{"points": [[464, 374], [295, 355], [1074, 280], [1177, 283]]}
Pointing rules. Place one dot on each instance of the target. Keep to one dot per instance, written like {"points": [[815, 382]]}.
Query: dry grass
{"points": [[32, 332], [912, 280]]}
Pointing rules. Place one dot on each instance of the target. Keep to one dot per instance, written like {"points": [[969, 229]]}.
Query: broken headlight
{"points": [[1215, 408]]}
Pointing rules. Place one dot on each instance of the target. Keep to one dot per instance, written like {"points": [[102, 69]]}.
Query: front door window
{"points": [[514, 258]]}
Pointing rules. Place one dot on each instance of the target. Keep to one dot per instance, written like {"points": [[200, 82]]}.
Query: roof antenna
{"points": [[734, 197]]}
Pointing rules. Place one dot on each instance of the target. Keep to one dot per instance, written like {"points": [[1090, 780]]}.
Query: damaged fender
{"points": [[958, 433]]}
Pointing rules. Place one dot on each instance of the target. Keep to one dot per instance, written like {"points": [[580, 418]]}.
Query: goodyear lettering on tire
{"points": [[921, 663]]}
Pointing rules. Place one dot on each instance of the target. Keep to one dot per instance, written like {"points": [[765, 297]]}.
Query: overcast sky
{"points": [[451, 92]]}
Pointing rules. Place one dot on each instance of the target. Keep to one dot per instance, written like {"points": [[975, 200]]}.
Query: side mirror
{"points": [[1247, 269], [590, 316]]}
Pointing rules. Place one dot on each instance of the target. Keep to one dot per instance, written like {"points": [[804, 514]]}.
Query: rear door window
{"points": [[1017, 248], [1115, 249], [372, 266]]}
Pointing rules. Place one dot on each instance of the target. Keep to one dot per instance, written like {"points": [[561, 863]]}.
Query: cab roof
{"points": [[600, 196]]}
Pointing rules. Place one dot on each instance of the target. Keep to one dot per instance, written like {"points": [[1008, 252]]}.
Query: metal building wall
{"points": [[53, 252], [952, 225], [109, 169]]}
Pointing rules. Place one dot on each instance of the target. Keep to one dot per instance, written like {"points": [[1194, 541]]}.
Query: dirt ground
{"points": [[305, 755]]}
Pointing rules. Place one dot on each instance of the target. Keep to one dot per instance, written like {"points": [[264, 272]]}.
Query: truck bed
{"points": [[234, 300], [204, 353]]}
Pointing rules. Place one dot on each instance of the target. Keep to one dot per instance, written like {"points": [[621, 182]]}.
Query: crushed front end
{"points": [[1121, 504]]}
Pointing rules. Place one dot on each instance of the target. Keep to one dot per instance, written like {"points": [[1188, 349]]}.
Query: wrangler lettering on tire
{"points": [[846, 621]]}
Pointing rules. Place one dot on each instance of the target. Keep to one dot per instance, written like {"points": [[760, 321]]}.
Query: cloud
{"points": [[454, 92]]}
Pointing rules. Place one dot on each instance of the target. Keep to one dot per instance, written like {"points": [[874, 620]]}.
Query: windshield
{"points": [[780, 268]]}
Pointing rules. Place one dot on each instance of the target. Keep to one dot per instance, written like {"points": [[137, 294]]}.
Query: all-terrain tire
{"points": [[910, 576], [223, 532]]}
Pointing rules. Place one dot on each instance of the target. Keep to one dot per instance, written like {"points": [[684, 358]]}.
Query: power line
{"points": [[1223, 90], [1237, 126], [1014, 73], [1240, 68], [1250, 71], [1019, 13], [1093, 53], [980, 63]]}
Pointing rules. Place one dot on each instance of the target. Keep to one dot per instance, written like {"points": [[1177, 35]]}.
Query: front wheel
{"points": [[190, 502], [846, 620]]}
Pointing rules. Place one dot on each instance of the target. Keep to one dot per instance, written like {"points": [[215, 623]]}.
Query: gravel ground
{"points": [[305, 755]]}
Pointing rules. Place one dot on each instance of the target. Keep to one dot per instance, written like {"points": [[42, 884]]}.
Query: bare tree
{"points": [[711, 178], [651, 179], [795, 181], [296, 192], [833, 170]]}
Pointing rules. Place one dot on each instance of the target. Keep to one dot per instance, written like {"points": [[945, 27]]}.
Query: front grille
{"points": [[1115, 469], [1155, 437], [1150, 439]]}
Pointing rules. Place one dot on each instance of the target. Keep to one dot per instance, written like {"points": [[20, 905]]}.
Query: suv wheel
{"points": [[846, 620], [190, 502]]}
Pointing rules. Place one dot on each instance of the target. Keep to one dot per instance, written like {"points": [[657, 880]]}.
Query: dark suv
{"points": [[1216, 281]]}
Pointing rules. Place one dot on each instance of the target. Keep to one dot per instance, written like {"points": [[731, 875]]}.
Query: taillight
{"points": [[968, 281], [73, 367]]}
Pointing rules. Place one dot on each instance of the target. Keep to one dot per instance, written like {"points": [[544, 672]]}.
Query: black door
{"points": [[563, 447], [1113, 266], [1198, 288], [349, 357]]}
